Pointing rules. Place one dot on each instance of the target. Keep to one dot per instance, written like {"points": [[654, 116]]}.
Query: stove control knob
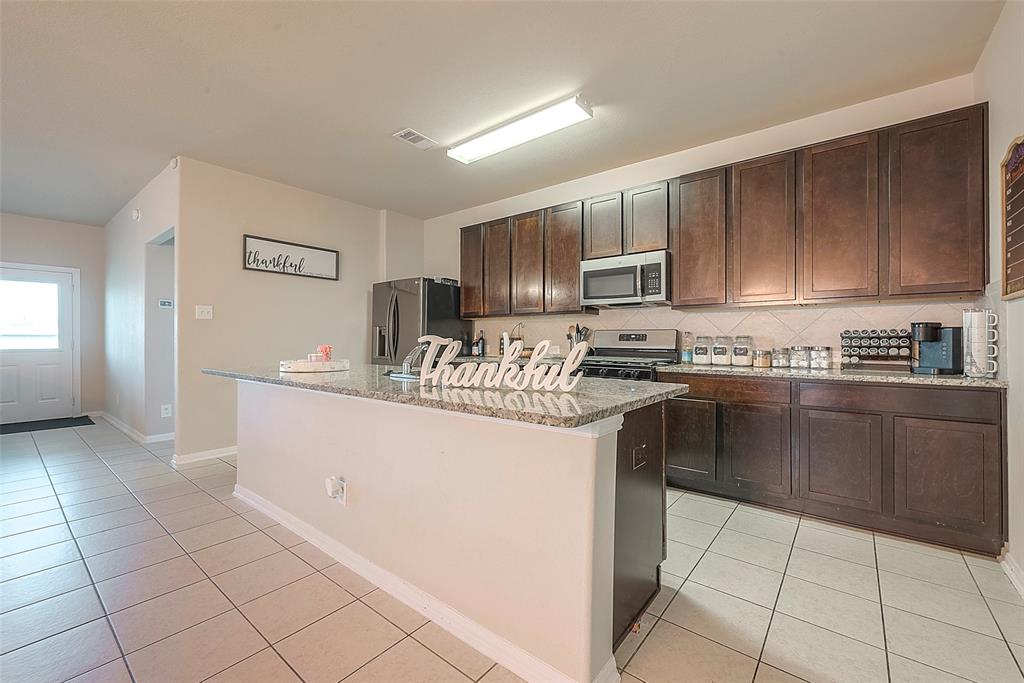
{"points": [[632, 374], [602, 372]]}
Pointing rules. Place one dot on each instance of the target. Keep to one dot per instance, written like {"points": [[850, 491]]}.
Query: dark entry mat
{"points": [[39, 425]]}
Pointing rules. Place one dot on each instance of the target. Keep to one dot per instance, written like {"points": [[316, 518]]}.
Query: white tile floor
{"points": [[115, 566], [753, 594]]}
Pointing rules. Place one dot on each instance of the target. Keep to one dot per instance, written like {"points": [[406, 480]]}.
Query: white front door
{"points": [[36, 344]]}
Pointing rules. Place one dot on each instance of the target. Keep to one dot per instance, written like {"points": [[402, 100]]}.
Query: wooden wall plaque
{"points": [[1011, 173]]}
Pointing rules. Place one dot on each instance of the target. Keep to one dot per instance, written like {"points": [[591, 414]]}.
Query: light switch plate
{"points": [[204, 312], [165, 410]]}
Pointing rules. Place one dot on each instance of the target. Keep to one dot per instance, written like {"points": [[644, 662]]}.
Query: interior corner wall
{"points": [[124, 322], [159, 340], [998, 80], [72, 245], [441, 244], [259, 318]]}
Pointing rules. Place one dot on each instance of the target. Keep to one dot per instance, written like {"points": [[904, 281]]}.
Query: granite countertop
{"points": [[836, 375], [592, 400]]}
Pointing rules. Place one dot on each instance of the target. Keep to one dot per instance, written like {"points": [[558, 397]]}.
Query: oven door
{"points": [[614, 281]]}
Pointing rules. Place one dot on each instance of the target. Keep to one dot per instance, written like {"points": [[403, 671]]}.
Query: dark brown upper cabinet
{"points": [[471, 265], [936, 204], [645, 218], [563, 246], [839, 218], [697, 212], [762, 235], [602, 226], [528, 263], [497, 253]]}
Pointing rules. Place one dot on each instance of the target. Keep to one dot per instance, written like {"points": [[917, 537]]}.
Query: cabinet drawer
{"points": [[967, 404], [737, 390]]}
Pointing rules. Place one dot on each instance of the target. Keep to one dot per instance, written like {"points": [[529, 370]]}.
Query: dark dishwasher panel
{"points": [[639, 516]]}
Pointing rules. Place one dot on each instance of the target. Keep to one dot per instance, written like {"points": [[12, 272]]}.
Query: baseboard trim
{"points": [[185, 458], [504, 652], [1014, 571], [134, 435]]}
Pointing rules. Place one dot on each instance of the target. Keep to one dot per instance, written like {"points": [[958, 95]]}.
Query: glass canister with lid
{"points": [[702, 351], [721, 350], [800, 357], [743, 350], [821, 357], [762, 358], [780, 357]]}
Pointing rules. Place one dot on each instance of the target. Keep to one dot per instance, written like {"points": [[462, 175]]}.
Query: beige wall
{"points": [[401, 239], [260, 318], [998, 79], [126, 295], [159, 342], [72, 245]]}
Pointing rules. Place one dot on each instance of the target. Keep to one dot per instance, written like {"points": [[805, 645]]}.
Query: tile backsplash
{"points": [[777, 326]]}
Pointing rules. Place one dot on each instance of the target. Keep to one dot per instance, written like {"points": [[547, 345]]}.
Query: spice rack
{"points": [[875, 350]]}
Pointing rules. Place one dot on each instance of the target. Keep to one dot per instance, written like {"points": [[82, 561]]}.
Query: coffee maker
{"points": [[936, 350]]}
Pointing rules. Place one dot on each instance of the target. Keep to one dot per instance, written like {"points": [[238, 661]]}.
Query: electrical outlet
{"points": [[337, 488], [204, 312], [165, 410]]}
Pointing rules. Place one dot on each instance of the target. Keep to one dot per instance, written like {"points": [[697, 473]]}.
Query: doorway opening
{"points": [[40, 367], [160, 338]]}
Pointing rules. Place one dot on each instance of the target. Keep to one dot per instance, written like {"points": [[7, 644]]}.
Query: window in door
{"points": [[29, 315]]}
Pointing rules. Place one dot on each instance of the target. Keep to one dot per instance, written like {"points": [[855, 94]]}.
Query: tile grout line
{"points": [[92, 584], [881, 606], [778, 593], [1013, 657]]}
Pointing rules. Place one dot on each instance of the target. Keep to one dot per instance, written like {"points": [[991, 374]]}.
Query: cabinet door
{"points": [[840, 218], [937, 204], [471, 265], [698, 239], [948, 473], [528, 263], [841, 458], [690, 430], [563, 246], [602, 226], [754, 447], [496, 267], [645, 218], [762, 234]]}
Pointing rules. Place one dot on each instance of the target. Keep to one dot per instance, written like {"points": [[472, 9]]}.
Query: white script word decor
{"points": [[508, 373]]}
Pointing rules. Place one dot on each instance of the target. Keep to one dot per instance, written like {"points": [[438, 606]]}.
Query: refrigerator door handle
{"points": [[393, 324]]}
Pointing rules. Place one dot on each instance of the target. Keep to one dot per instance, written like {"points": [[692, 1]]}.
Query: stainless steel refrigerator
{"points": [[405, 310]]}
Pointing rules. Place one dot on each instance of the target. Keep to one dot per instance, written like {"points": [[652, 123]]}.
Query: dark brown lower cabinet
{"points": [[921, 461], [841, 458], [690, 438], [754, 447], [639, 516], [947, 473]]}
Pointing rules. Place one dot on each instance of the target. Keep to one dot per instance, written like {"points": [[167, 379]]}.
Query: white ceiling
{"points": [[97, 96]]}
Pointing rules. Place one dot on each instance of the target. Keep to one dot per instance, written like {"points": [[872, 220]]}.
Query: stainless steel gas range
{"points": [[631, 354]]}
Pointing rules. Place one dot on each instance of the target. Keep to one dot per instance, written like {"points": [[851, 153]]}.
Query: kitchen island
{"points": [[492, 512]]}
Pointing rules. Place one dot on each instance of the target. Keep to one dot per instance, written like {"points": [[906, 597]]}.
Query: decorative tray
{"points": [[313, 365]]}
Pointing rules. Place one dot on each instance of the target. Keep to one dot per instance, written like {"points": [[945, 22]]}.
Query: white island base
{"points": [[500, 531]]}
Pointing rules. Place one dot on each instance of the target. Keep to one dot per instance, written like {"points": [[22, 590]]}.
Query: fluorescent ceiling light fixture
{"points": [[532, 126]]}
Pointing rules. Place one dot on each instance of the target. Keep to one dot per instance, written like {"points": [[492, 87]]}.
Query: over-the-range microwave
{"points": [[631, 280]]}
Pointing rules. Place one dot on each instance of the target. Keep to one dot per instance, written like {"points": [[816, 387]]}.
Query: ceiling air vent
{"points": [[417, 140]]}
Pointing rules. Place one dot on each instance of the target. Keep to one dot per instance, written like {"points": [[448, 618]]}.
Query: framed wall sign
{"points": [[288, 258], [1011, 173]]}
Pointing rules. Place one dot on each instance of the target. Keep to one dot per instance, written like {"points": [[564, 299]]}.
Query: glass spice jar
{"points": [[800, 357], [780, 357], [742, 350], [762, 358], [721, 350], [702, 351]]}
